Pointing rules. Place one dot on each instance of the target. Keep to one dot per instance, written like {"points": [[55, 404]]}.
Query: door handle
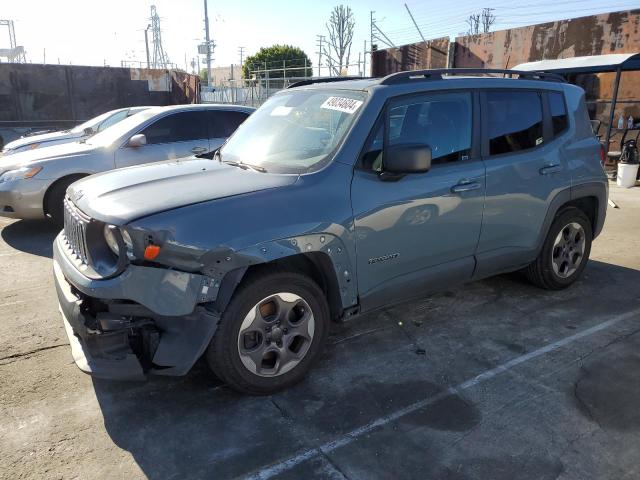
{"points": [[465, 186], [552, 168], [198, 150]]}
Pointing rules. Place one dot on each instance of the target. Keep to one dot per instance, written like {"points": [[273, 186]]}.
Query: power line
{"points": [[434, 19], [407, 35]]}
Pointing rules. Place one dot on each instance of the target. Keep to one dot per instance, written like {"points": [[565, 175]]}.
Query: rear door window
{"points": [[514, 121], [177, 127], [558, 109], [223, 123]]}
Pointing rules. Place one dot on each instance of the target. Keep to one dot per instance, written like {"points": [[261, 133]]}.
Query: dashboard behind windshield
{"points": [[296, 131]]}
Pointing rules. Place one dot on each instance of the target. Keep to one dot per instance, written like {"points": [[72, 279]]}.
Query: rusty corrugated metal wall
{"points": [[616, 32], [430, 54]]}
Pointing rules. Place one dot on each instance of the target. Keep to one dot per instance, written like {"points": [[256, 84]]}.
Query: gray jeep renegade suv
{"points": [[333, 199]]}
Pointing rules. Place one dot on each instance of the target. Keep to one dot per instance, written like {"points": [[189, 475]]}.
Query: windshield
{"points": [[111, 134], [295, 131], [92, 123]]}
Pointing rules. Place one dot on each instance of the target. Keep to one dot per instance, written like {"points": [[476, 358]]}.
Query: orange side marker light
{"points": [[151, 252]]}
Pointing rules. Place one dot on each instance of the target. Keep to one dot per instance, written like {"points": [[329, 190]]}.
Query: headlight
{"points": [[111, 233], [110, 238], [20, 174]]}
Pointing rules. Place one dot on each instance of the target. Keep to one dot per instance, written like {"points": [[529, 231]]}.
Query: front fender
{"points": [[328, 244]]}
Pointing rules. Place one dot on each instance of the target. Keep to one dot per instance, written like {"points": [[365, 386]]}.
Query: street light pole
{"points": [[146, 43], [207, 42]]}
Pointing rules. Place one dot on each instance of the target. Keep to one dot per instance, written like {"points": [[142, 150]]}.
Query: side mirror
{"points": [[139, 140], [407, 158], [88, 131]]}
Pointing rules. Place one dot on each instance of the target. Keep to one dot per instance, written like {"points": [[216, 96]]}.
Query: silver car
{"points": [[33, 183], [86, 129]]}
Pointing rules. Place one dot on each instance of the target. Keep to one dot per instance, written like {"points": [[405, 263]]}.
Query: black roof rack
{"points": [[436, 74], [311, 81]]}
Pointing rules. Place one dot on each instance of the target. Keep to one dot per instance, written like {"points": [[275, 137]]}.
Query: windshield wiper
{"points": [[245, 166]]}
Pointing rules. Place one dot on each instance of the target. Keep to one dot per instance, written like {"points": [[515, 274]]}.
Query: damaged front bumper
{"points": [[146, 320]]}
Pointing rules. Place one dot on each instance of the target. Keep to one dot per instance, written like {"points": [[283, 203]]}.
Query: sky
{"points": [[107, 32]]}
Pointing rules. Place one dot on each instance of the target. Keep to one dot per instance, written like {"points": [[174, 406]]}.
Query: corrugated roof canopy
{"points": [[588, 64]]}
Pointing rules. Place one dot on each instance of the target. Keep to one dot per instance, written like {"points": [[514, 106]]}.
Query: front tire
{"points": [[271, 333], [54, 199], [565, 251]]}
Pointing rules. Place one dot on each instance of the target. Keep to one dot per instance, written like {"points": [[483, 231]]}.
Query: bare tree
{"points": [[340, 27], [488, 19], [474, 24]]}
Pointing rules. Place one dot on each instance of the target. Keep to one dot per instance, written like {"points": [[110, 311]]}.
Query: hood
{"points": [[43, 138], [47, 154], [121, 196]]}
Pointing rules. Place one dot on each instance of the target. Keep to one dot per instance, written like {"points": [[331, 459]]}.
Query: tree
{"points": [[474, 24], [340, 28], [204, 75], [276, 58]]}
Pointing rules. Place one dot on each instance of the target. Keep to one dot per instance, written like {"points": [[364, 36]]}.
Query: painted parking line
{"points": [[12, 303], [287, 464]]}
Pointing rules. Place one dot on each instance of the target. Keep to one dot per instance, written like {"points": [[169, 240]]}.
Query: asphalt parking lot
{"points": [[493, 380]]}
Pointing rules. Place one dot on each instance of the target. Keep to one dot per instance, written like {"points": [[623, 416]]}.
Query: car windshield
{"points": [[296, 131], [111, 134], [92, 123]]}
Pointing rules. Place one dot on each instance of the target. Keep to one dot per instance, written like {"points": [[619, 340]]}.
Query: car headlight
{"points": [[111, 239], [20, 174], [111, 234]]}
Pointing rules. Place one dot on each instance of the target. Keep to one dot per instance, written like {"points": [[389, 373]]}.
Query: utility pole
{"points": [[488, 19], [320, 51], [146, 43], [160, 57], [241, 52], [371, 30], [378, 35], [207, 42], [364, 60]]}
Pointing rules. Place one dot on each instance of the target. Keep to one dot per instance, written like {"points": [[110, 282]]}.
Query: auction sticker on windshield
{"points": [[342, 104]]}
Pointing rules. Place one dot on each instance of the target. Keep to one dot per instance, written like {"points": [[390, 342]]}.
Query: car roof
{"points": [[208, 106]]}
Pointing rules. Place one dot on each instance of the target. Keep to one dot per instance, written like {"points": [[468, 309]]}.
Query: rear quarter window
{"points": [[558, 109], [222, 123]]}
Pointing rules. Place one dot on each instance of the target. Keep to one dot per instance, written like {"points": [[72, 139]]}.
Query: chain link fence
{"points": [[262, 82]]}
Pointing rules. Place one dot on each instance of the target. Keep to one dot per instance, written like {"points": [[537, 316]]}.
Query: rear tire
{"points": [[565, 251], [270, 334]]}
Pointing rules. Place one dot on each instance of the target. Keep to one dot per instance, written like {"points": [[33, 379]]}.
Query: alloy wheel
{"points": [[276, 334], [568, 250]]}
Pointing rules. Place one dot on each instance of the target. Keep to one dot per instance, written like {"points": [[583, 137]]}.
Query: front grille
{"points": [[75, 231]]}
